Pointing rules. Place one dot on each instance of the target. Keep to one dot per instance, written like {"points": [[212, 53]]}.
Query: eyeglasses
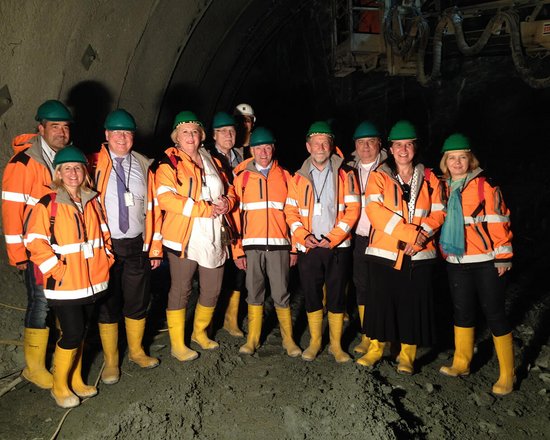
{"points": [[406, 188]]}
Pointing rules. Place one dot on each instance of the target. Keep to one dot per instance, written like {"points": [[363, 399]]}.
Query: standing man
{"points": [[264, 250], [26, 179], [322, 207], [368, 155], [246, 119], [125, 184], [233, 277]]}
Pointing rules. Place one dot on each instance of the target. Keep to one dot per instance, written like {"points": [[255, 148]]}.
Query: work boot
{"points": [[176, 329], [504, 346], [109, 341], [373, 355], [335, 326], [315, 323], [464, 351], [230, 322], [203, 318], [255, 318], [363, 346], [35, 344], [135, 328], [62, 364], [77, 384], [407, 356], [285, 324]]}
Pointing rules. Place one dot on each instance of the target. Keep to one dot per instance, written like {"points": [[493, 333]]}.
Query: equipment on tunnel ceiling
{"points": [[90, 55], [5, 100], [406, 28]]}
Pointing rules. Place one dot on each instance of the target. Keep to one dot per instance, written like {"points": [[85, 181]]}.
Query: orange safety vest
{"points": [[300, 201], [102, 164], [260, 218], [56, 237], [389, 216], [178, 183]]}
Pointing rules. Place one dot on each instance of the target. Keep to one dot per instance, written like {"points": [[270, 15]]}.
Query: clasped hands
{"points": [[220, 207], [412, 249]]}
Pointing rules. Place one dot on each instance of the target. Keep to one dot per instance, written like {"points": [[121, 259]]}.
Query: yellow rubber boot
{"points": [[255, 318], [285, 323], [407, 355], [77, 384], [315, 323], [203, 318], [135, 328], [374, 353], [62, 365], [335, 327], [230, 322], [35, 342], [363, 346], [504, 346], [176, 330], [109, 341], [464, 351]]}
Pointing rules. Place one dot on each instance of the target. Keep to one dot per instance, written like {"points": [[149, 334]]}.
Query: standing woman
{"points": [[476, 241], [404, 207], [69, 242], [194, 194]]}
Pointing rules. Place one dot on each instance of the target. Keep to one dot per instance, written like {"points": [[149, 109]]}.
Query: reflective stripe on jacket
{"points": [[178, 183], [152, 238], [26, 180], [260, 218], [389, 216], [488, 234], [68, 275], [300, 201]]}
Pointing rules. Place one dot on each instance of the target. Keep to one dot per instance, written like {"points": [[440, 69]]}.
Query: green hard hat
{"points": [[366, 129], [260, 136], [402, 130], [185, 117], [320, 127], [120, 119], [223, 119], [53, 110], [69, 154], [456, 141]]}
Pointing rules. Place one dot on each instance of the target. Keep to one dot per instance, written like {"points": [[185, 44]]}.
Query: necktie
{"points": [[123, 217], [265, 171]]}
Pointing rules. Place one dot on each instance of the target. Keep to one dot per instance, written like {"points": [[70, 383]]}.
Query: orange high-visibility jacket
{"points": [[26, 179], [300, 201], [487, 234], [178, 182], [152, 238], [260, 218], [68, 275], [389, 216]]}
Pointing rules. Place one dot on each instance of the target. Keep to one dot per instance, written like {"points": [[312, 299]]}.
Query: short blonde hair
{"points": [[85, 186], [473, 162], [175, 131]]}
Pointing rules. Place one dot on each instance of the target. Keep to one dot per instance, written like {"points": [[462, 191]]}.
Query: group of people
{"points": [[88, 231]]}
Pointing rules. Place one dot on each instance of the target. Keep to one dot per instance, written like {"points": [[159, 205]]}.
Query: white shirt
{"points": [[48, 154], [137, 185], [363, 226], [323, 195], [205, 246]]}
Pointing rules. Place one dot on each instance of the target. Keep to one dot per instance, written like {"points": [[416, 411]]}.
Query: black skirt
{"points": [[399, 305]]}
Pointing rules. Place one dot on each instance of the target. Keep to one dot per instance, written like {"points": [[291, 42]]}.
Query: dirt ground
{"points": [[224, 395]]}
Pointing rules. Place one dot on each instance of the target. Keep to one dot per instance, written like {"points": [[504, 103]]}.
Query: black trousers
{"points": [[129, 282], [73, 320], [325, 266], [478, 281], [360, 268]]}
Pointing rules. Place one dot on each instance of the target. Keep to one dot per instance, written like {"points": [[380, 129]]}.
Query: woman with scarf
{"points": [[476, 243]]}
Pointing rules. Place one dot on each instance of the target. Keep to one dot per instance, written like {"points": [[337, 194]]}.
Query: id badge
{"points": [[87, 250], [128, 199], [205, 194], [317, 209]]}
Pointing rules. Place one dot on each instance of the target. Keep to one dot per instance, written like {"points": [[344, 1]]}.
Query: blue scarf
{"points": [[452, 231]]}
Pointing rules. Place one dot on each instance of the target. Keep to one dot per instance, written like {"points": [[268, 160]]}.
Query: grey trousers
{"points": [[273, 266]]}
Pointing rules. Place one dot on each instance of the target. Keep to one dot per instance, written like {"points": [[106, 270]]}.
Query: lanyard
{"points": [[80, 215], [319, 194], [119, 177]]}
